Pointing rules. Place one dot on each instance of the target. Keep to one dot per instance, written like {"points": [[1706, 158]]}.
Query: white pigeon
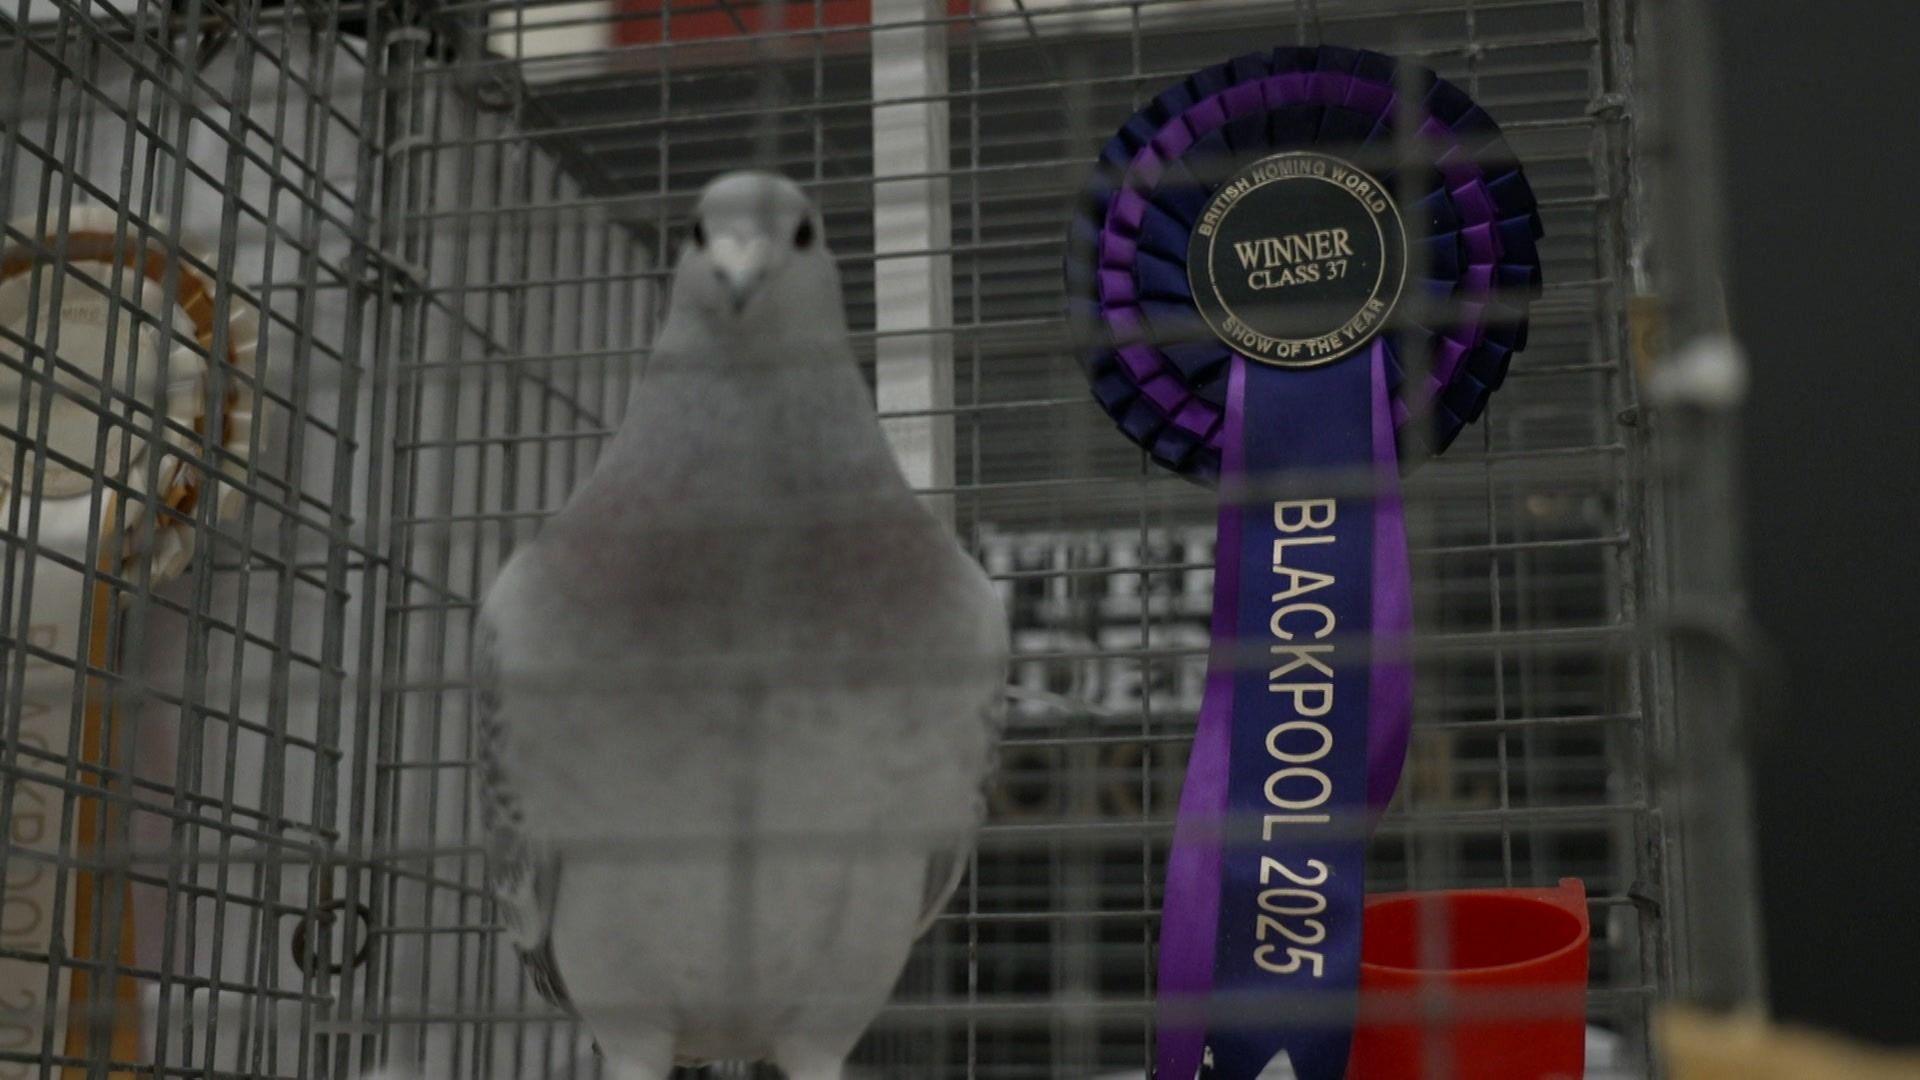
{"points": [[740, 697]]}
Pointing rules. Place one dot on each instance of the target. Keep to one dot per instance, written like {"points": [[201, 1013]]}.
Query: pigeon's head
{"points": [[756, 246]]}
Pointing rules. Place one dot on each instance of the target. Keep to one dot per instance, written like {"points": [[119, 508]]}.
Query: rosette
{"points": [[1276, 286], [1154, 365]]}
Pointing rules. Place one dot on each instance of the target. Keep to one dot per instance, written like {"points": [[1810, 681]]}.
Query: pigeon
{"points": [[739, 699]]}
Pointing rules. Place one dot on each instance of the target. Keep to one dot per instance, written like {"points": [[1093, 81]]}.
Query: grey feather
{"points": [[947, 867], [524, 874]]}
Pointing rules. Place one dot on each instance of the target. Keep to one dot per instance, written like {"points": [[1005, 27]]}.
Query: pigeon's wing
{"points": [[524, 872], [947, 866]]}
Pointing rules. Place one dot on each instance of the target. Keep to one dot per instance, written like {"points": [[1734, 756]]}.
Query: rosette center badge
{"points": [[1298, 260]]}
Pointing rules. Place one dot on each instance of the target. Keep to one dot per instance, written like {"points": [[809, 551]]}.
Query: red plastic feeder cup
{"points": [[1473, 984]]}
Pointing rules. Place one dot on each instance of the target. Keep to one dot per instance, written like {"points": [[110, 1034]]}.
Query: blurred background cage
{"points": [[318, 308]]}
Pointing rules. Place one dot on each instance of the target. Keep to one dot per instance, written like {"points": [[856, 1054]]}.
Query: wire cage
{"points": [[319, 308]]}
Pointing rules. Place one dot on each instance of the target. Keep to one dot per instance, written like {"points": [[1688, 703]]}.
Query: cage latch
{"points": [[317, 927]]}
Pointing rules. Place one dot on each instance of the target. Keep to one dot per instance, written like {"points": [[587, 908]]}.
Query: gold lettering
{"points": [[1302, 654], [1327, 620], [1300, 582], [1313, 514], [1293, 249]]}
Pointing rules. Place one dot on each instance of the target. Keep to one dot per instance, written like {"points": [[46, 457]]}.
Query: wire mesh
{"points": [[252, 849]]}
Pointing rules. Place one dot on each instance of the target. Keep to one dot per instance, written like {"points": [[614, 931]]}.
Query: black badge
{"points": [[1298, 259]]}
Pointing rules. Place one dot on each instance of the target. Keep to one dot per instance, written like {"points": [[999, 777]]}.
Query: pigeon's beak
{"points": [[739, 261]]}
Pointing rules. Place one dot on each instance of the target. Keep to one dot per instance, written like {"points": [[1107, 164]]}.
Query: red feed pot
{"points": [[1476, 984]]}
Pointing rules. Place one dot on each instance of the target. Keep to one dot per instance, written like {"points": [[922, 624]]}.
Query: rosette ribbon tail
{"points": [[1190, 908], [1302, 732]]}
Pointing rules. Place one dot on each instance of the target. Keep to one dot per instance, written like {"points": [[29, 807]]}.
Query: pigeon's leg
{"points": [[807, 1062]]}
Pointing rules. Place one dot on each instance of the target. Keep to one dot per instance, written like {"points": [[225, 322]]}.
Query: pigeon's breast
{"points": [[879, 590], [749, 739]]}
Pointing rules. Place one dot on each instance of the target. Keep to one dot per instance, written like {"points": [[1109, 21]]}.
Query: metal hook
{"points": [[311, 964]]}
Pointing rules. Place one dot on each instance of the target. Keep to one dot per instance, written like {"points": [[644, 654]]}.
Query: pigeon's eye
{"points": [[803, 236], [699, 234]]}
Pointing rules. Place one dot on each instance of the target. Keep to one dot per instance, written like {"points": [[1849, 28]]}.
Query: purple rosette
{"points": [[1270, 202], [1153, 365]]}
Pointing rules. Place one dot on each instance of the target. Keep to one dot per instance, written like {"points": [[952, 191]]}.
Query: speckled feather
{"points": [[524, 873]]}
